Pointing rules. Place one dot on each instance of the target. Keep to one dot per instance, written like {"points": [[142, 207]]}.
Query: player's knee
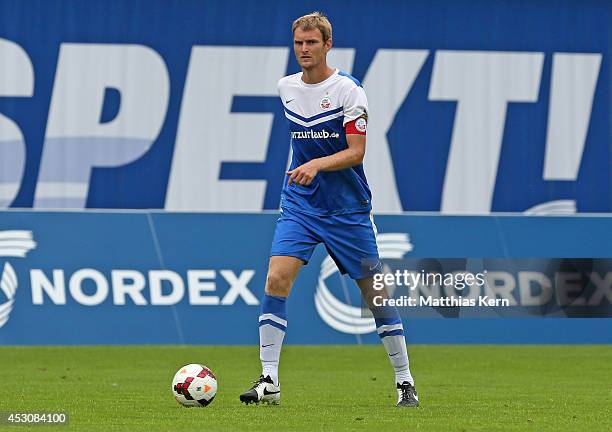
{"points": [[278, 284], [368, 292]]}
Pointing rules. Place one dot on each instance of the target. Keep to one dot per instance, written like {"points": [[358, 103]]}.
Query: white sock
{"points": [[398, 355], [270, 344], [272, 327]]}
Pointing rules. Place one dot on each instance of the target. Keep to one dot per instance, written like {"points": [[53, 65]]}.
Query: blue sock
{"points": [[388, 321]]}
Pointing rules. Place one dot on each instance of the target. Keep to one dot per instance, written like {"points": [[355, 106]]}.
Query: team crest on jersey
{"points": [[361, 124], [326, 103]]}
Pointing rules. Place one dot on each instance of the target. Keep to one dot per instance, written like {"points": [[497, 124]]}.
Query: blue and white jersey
{"points": [[317, 114]]}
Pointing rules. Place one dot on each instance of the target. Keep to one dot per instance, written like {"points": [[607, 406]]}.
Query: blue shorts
{"points": [[350, 240]]}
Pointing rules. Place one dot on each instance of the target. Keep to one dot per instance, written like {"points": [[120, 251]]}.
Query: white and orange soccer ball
{"points": [[194, 385]]}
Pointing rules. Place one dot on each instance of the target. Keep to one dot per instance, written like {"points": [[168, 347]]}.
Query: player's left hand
{"points": [[304, 174]]}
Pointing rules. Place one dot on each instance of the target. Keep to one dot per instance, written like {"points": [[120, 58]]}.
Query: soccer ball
{"points": [[194, 385]]}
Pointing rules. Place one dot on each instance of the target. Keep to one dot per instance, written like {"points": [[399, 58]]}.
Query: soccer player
{"points": [[325, 199]]}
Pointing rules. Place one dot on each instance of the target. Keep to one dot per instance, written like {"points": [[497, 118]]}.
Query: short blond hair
{"points": [[315, 20]]}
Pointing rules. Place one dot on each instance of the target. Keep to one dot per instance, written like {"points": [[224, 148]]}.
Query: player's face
{"points": [[310, 50]]}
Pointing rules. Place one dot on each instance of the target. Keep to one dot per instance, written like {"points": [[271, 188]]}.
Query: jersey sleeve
{"points": [[355, 105]]}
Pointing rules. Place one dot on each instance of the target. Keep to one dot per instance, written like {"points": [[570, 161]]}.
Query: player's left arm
{"points": [[349, 157], [355, 123]]}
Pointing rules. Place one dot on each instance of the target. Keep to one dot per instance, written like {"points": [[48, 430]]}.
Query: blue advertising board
{"points": [[197, 278], [475, 106]]}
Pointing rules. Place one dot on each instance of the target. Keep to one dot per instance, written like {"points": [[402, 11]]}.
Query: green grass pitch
{"points": [[335, 388]]}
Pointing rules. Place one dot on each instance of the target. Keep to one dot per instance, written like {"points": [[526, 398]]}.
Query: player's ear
{"points": [[328, 44]]}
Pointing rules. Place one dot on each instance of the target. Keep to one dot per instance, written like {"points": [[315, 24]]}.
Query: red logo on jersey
{"points": [[326, 103]]}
